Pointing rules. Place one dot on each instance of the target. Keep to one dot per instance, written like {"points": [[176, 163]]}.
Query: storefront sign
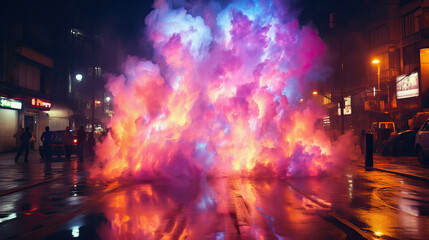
{"points": [[10, 103], [40, 103], [407, 86]]}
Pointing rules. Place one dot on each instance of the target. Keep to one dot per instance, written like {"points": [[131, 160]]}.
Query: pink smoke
{"points": [[221, 97]]}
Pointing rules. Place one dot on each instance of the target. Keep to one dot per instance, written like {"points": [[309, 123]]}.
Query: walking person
{"points": [[17, 137], [47, 138], [68, 142], [81, 140], [25, 144]]}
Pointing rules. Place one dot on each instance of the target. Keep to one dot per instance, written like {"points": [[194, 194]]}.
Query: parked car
{"points": [[58, 145], [403, 143], [400, 144], [381, 132], [422, 143]]}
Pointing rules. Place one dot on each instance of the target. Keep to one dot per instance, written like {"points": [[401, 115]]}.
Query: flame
{"points": [[223, 96]]}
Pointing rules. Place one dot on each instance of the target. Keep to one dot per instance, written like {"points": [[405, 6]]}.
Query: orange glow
{"points": [[139, 213], [375, 61], [219, 111]]}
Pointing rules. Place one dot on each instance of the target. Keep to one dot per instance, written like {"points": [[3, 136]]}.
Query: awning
{"points": [[35, 56]]}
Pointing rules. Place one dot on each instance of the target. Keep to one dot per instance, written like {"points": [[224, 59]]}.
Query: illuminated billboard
{"points": [[407, 86], [347, 106]]}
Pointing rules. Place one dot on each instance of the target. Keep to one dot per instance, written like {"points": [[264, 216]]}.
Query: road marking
{"points": [[348, 224]]}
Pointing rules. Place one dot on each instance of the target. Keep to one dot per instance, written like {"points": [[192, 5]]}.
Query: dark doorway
{"points": [[29, 121]]}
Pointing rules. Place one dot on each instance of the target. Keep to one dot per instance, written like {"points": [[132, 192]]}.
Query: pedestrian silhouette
{"points": [[25, 144], [17, 137], [81, 140], [68, 142], [47, 139]]}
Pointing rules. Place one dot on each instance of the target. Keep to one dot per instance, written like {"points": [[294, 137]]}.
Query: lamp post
{"points": [[376, 61]]}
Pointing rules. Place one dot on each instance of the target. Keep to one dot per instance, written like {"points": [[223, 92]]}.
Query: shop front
{"points": [[36, 116], [9, 110]]}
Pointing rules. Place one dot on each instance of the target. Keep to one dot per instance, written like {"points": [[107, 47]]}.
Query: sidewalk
{"points": [[405, 166], [16, 175]]}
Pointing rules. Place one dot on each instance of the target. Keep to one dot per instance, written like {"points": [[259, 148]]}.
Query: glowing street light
{"points": [[107, 99], [376, 61], [314, 92], [79, 77]]}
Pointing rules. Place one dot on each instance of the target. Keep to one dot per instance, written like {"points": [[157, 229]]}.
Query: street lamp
{"points": [[314, 92], [79, 77], [376, 61]]}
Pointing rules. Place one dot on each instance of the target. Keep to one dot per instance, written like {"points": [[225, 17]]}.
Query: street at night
{"points": [[355, 204], [214, 119]]}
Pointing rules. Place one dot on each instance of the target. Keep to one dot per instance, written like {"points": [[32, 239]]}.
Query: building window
{"points": [[378, 36], [28, 76], [412, 53], [394, 60], [410, 24], [97, 71]]}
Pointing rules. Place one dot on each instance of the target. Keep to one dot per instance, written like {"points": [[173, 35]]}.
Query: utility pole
{"points": [[332, 26], [93, 100], [341, 80], [378, 90]]}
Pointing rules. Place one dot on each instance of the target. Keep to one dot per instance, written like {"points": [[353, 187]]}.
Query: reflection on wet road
{"points": [[212, 209], [378, 205]]}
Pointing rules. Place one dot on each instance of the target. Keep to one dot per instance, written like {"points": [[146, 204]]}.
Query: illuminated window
{"points": [[327, 98], [97, 71]]}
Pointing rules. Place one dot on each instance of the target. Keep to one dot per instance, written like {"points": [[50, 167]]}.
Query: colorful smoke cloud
{"points": [[220, 97]]}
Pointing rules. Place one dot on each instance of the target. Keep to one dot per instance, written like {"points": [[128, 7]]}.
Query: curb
{"points": [[7, 192], [415, 177]]}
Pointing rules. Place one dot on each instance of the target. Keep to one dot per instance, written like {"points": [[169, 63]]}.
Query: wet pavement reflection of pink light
{"points": [[160, 212], [209, 210]]}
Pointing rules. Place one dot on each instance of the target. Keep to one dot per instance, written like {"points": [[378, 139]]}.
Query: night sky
{"points": [[121, 24]]}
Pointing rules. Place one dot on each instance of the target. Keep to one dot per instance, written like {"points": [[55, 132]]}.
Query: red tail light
{"points": [[74, 140]]}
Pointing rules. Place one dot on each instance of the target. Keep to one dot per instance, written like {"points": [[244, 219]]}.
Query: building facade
{"points": [[41, 51], [27, 71]]}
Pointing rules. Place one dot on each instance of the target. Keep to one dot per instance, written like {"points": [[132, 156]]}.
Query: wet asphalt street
{"points": [[63, 204]]}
